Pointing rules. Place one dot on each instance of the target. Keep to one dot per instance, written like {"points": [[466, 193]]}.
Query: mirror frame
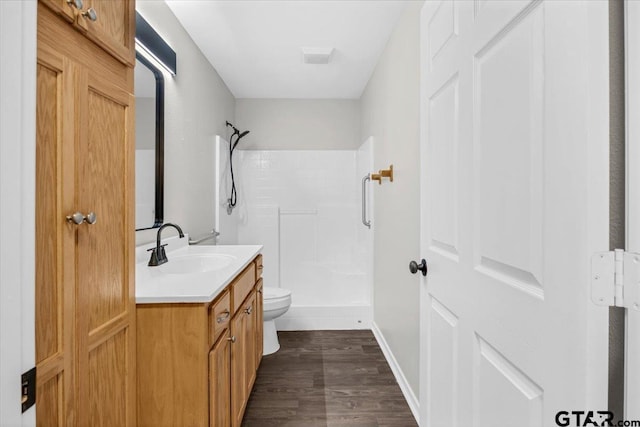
{"points": [[159, 175]]}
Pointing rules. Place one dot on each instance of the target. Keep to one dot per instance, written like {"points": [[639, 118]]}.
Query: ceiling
{"points": [[256, 46]]}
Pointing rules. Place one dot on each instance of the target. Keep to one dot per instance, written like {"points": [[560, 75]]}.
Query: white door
{"points": [[514, 103], [632, 45]]}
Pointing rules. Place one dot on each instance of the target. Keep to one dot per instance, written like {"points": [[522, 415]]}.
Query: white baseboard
{"points": [[410, 397], [309, 318]]}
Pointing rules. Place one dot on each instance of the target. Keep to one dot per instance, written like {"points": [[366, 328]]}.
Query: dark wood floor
{"points": [[327, 378]]}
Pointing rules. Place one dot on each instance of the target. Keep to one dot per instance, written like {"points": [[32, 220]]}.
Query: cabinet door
{"points": [[85, 297], [113, 28], [250, 339], [64, 8], [243, 368], [55, 292], [238, 370], [259, 314], [104, 268], [220, 383]]}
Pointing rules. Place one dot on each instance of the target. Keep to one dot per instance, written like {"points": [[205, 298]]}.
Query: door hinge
{"points": [[615, 279], [28, 382]]}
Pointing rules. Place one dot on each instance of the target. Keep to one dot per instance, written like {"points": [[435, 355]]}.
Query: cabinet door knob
{"points": [[75, 3], [91, 218], [249, 309], [77, 218], [90, 14], [232, 339]]}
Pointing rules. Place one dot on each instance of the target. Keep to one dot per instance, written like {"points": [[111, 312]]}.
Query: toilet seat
{"points": [[271, 293], [276, 299]]}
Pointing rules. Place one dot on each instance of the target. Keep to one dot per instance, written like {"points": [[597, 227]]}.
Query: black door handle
{"points": [[414, 267]]}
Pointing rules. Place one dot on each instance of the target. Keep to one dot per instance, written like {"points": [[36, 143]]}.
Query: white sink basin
{"points": [[196, 263], [193, 274]]}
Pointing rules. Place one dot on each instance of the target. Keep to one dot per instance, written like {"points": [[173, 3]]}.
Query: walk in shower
{"points": [[305, 207]]}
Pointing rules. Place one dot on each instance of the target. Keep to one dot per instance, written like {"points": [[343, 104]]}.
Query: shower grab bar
{"points": [[365, 221], [212, 235]]}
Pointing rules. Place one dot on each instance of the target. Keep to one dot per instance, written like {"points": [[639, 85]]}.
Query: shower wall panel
{"points": [[304, 207]]}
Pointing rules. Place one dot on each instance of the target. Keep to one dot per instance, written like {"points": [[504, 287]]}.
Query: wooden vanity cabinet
{"points": [[197, 362]]}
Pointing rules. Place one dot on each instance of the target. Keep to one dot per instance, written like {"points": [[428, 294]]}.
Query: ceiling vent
{"points": [[316, 55]]}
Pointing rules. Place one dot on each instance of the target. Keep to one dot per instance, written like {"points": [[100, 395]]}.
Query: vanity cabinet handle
{"points": [[221, 319], [75, 3], [91, 218], [260, 291], [77, 218], [90, 14], [232, 339], [249, 309]]}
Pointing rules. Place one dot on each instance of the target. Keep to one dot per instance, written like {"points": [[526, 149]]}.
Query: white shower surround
{"points": [[305, 208]]}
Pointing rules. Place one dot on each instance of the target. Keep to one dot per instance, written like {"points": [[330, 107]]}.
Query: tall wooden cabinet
{"points": [[85, 296], [108, 23]]}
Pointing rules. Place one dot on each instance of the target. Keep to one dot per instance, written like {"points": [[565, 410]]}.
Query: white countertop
{"points": [[155, 286]]}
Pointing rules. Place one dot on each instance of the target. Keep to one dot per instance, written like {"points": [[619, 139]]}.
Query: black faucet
{"points": [[158, 255]]}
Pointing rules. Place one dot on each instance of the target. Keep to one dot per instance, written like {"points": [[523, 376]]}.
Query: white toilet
{"points": [[276, 303]]}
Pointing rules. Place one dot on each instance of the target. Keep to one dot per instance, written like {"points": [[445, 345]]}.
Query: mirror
{"points": [[149, 93]]}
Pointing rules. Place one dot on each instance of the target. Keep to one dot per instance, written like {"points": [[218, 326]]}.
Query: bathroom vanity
{"points": [[199, 330]]}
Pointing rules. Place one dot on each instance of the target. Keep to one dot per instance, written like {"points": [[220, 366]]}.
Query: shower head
{"points": [[238, 136]]}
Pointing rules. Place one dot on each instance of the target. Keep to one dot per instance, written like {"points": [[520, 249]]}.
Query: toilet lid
{"points": [[273, 293]]}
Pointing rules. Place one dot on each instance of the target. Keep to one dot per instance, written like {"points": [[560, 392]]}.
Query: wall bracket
{"points": [[383, 173]]}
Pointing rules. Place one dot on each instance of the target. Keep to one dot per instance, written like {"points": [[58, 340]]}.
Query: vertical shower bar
{"points": [[365, 221]]}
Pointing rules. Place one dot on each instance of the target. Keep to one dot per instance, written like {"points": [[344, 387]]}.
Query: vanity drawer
{"points": [[243, 285], [258, 267], [219, 316]]}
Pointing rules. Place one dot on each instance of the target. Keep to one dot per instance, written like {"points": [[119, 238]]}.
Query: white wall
{"points": [[299, 124], [226, 224], [17, 204], [390, 113], [197, 105]]}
